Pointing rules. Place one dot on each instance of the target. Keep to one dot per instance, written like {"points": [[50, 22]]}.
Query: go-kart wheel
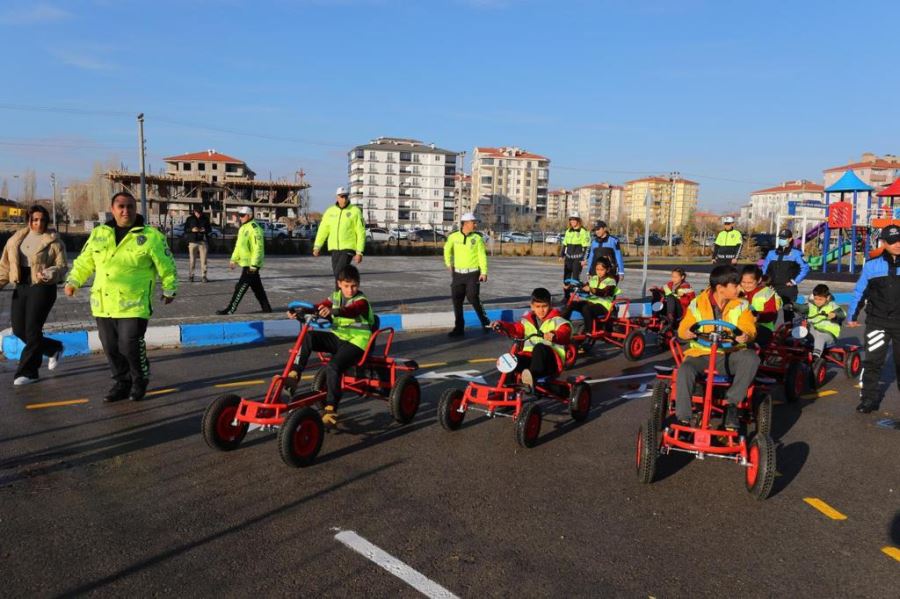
{"points": [[571, 356], [647, 451], [318, 382], [795, 381], [817, 376], [448, 409], [659, 404], [852, 364], [634, 345], [580, 402], [759, 476], [219, 428], [300, 437], [763, 413], [528, 425], [405, 397]]}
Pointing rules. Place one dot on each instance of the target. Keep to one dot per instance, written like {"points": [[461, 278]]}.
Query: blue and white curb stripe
{"points": [[83, 342]]}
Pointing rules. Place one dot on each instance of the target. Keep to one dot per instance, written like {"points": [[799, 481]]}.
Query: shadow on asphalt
{"points": [[789, 461], [175, 552], [894, 531]]}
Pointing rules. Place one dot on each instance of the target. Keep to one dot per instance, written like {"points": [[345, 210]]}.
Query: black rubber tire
{"points": [[763, 413], [300, 437], [852, 358], [571, 356], [213, 426], [760, 485], [580, 402], [659, 403], [647, 451], [450, 419], [318, 382], [634, 345], [528, 425], [405, 397], [795, 382]]}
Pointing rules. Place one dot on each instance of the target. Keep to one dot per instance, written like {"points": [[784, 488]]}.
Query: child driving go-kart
{"points": [[542, 356], [602, 291], [720, 302], [823, 317], [353, 322]]}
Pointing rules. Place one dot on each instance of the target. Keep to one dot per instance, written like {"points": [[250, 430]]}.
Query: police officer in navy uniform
{"points": [[786, 268], [604, 244], [878, 291]]}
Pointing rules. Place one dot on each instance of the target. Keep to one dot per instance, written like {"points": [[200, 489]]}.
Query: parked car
{"points": [[556, 238], [515, 237], [426, 235], [306, 231], [377, 234], [397, 233], [271, 231]]}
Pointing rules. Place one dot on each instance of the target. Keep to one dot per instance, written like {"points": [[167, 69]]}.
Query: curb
{"points": [[83, 342]]}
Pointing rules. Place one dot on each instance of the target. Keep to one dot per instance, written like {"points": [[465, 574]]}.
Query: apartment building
{"points": [[559, 204], [209, 165], [598, 201], [398, 181], [796, 197], [877, 171], [462, 193], [673, 197], [510, 181]]}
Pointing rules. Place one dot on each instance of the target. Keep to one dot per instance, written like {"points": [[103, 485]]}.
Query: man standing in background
{"points": [[344, 229], [196, 229]]}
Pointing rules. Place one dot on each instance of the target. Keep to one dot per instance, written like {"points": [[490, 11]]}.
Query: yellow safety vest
{"points": [[357, 330], [732, 316], [818, 318], [595, 283], [729, 238], [548, 326], [465, 253], [758, 303]]}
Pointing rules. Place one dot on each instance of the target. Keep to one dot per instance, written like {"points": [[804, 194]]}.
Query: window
{"points": [[215, 178], [487, 180], [185, 166], [201, 166], [372, 156], [487, 161], [215, 166]]}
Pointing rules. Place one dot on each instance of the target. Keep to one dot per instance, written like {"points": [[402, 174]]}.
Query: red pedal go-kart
{"points": [[657, 323], [300, 429], [621, 331], [847, 357], [509, 398], [661, 434]]}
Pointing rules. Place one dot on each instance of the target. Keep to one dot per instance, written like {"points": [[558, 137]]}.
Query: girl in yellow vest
{"points": [[823, 318], [765, 303], [603, 290], [352, 323]]}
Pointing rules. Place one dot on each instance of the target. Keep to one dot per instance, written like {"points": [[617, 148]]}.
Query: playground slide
{"points": [[834, 254], [814, 232]]}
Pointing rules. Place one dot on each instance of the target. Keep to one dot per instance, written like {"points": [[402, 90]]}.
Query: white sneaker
{"points": [[24, 380], [53, 362]]}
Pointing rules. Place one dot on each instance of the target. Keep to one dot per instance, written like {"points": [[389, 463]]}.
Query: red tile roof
{"points": [[498, 153], [661, 180], [208, 156], [877, 164], [599, 186], [792, 186]]}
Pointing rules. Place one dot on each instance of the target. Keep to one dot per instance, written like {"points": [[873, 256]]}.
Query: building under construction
{"points": [[220, 184]]}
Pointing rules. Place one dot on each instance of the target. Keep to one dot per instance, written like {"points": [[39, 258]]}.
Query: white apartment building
{"points": [[559, 204], [598, 201], [399, 181], [510, 180], [796, 198]]}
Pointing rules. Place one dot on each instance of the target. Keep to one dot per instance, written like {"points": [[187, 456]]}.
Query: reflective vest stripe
{"points": [[548, 326]]}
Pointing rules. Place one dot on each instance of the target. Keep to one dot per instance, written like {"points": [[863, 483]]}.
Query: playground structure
{"points": [[843, 223]]}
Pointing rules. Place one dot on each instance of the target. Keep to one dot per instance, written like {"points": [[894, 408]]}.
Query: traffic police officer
{"points": [[575, 244], [466, 258], [728, 243], [345, 230], [249, 251], [605, 244], [125, 258], [785, 268]]}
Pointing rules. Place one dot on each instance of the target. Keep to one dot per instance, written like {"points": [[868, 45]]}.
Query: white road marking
{"points": [[642, 375], [385, 560], [462, 375]]}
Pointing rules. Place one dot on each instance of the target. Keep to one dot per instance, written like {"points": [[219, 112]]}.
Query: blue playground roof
{"points": [[849, 182]]}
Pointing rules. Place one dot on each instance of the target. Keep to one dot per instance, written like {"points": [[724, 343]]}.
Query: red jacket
{"points": [[770, 308], [686, 293], [562, 335]]}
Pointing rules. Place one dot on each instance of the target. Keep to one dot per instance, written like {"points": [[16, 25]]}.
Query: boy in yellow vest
{"points": [[823, 317], [719, 302], [352, 323]]}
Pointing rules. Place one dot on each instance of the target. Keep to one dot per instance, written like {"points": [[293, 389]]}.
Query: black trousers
{"points": [[252, 281], [788, 295], [466, 286], [542, 361], [673, 308], [123, 344], [589, 313], [340, 259], [30, 306], [571, 270], [343, 356], [878, 338]]}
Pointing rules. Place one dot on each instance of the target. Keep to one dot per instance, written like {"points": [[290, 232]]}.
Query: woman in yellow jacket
{"points": [[719, 302], [34, 260]]}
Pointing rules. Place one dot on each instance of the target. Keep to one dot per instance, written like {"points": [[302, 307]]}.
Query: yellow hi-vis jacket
{"points": [[465, 253], [343, 228], [736, 312], [250, 247]]}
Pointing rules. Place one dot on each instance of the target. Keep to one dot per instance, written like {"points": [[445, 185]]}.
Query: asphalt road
{"points": [[127, 500]]}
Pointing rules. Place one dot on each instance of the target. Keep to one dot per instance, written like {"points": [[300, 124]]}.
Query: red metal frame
{"points": [[619, 327], [784, 350]]}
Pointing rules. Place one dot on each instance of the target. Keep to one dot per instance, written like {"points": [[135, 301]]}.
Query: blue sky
{"points": [[735, 95]]}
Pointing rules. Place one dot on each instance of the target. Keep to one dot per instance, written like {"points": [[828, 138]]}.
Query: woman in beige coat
{"points": [[34, 260]]}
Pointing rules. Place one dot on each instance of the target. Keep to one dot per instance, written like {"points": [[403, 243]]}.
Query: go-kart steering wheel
{"points": [[723, 334], [573, 282], [310, 313]]}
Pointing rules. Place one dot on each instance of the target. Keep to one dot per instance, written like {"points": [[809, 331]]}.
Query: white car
{"points": [[271, 231], [553, 238], [377, 234], [399, 233]]}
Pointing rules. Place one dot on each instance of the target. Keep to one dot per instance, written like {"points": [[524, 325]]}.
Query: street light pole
{"points": [[648, 199], [140, 119], [673, 176], [53, 200]]}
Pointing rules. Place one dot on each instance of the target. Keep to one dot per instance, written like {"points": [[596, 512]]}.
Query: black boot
{"points": [[118, 392], [732, 423], [139, 389], [865, 407]]}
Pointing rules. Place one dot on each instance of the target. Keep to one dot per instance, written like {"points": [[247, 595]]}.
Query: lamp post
{"points": [[673, 177], [53, 200], [141, 143]]}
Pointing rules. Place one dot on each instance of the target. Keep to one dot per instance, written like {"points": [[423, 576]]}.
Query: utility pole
{"points": [[53, 201], [673, 177], [648, 199], [141, 144]]}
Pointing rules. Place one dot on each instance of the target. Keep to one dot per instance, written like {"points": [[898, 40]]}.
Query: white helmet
{"points": [[574, 216], [245, 210], [342, 191], [467, 216], [728, 220]]}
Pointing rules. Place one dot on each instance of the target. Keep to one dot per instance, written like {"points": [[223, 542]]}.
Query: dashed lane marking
{"points": [[480, 360], [626, 377], [893, 552], [826, 509], [385, 560], [819, 394], [240, 384], [432, 364], [55, 404], [162, 391]]}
